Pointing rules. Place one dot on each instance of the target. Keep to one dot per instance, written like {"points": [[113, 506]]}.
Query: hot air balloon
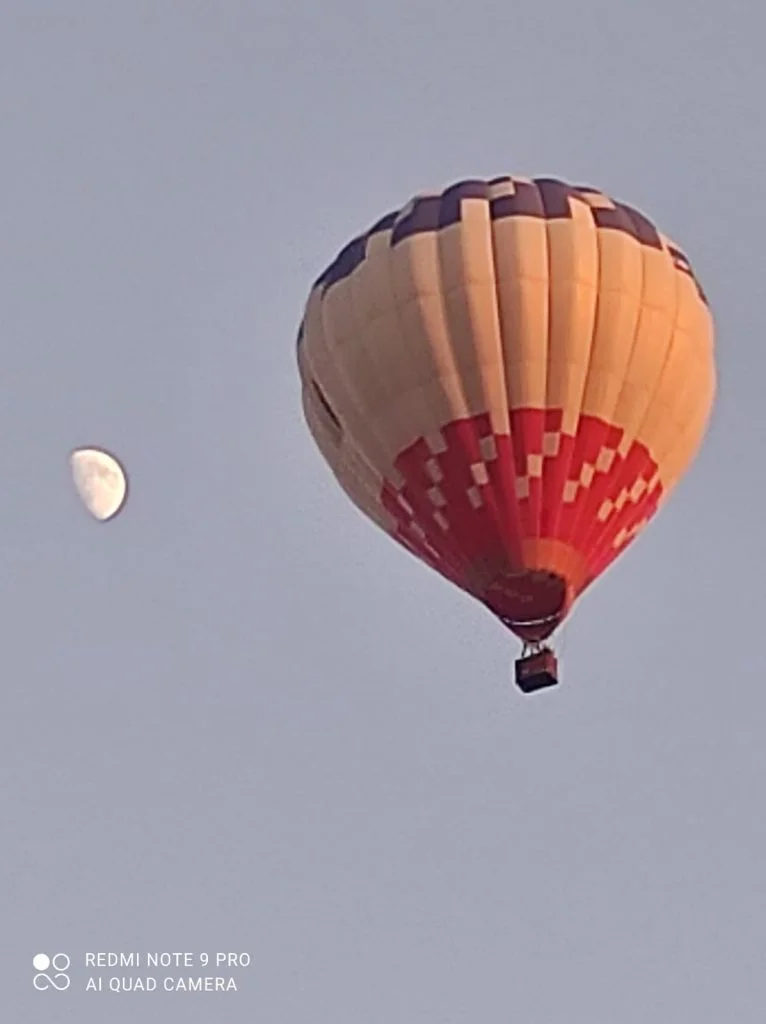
{"points": [[509, 377], [100, 480]]}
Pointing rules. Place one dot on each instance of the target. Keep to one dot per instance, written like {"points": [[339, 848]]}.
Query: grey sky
{"points": [[193, 757]]}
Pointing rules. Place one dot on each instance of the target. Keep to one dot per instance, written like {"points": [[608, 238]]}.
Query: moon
{"points": [[100, 480]]}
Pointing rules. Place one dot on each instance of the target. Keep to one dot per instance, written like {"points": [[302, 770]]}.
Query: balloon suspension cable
{"points": [[531, 647]]}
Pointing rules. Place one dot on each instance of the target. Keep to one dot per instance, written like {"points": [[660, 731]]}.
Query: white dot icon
{"points": [[41, 962]]}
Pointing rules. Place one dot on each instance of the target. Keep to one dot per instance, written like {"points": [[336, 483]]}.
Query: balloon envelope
{"points": [[510, 377], [100, 480]]}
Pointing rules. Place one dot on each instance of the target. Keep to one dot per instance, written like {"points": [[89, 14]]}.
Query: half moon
{"points": [[100, 480]]}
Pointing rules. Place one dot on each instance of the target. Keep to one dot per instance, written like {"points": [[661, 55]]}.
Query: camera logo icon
{"points": [[51, 972]]}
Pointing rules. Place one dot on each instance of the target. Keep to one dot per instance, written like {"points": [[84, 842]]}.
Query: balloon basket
{"points": [[537, 671]]}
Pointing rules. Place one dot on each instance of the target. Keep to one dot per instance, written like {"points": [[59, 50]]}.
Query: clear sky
{"points": [[239, 718]]}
